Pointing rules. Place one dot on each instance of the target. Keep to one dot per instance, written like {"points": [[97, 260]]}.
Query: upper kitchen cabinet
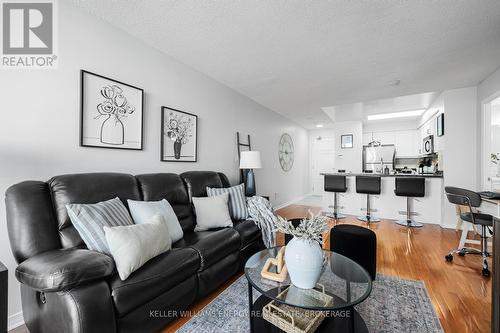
{"points": [[406, 141]]}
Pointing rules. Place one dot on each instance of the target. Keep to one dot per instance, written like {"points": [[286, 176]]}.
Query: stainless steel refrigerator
{"points": [[378, 157]]}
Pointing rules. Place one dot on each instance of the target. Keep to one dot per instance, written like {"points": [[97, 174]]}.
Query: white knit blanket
{"points": [[261, 212]]}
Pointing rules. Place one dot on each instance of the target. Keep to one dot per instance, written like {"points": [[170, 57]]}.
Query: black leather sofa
{"points": [[68, 288]]}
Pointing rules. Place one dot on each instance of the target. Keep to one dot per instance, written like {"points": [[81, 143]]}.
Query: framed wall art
{"points": [[111, 113], [179, 136], [346, 141], [440, 124]]}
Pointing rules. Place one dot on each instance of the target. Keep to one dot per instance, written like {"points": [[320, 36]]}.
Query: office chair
{"points": [[470, 199]]}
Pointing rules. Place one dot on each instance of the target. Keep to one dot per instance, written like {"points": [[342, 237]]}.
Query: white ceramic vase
{"points": [[304, 261]]}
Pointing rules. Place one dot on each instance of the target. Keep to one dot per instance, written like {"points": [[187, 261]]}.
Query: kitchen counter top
{"points": [[382, 175]]}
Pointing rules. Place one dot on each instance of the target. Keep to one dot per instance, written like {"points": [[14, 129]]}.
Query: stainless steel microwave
{"points": [[428, 145]]}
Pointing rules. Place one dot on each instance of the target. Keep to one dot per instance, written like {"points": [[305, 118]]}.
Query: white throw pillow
{"points": [[132, 246], [142, 211], [212, 212]]}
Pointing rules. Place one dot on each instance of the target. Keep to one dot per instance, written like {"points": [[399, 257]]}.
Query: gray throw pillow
{"points": [[212, 212], [90, 219], [134, 245], [237, 200]]}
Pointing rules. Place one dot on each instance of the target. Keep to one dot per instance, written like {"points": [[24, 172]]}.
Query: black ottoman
{"points": [[357, 243]]}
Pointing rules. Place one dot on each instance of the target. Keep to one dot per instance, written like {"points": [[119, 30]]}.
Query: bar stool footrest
{"points": [[337, 216], [369, 219], [409, 223], [403, 212]]}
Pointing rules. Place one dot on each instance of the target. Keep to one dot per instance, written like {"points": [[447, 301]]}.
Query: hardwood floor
{"points": [[460, 294]]}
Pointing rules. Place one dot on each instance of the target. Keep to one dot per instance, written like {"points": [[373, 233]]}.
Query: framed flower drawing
{"points": [[179, 136], [111, 113]]}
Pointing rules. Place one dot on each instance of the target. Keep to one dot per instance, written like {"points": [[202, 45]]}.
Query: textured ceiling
{"points": [[298, 56]]}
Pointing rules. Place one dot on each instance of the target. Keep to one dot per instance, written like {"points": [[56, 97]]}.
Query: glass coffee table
{"points": [[344, 281]]}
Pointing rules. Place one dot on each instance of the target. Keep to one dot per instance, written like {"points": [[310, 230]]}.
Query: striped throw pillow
{"points": [[90, 220], [237, 201]]}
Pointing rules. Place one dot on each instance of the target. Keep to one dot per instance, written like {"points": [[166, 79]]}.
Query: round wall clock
{"points": [[286, 152]]}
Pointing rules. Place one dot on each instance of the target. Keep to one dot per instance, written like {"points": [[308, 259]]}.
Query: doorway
{"points": [[490, 180], [322, 160]]}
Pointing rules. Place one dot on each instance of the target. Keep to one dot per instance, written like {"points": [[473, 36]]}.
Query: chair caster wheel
{"points": [[449, 258], [461, 254], [486, 272]]}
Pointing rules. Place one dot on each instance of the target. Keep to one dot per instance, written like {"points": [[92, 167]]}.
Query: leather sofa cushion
{"points": [[157, 276], [30, 219], [58, 270], [212, 245], [197, 182], [87, 188], [168, 186], [248, 230]]}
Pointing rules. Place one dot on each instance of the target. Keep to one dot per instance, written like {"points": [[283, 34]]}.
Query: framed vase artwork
{"points": [[346, 141], [179, 136], [111, 113], [440, 124]]}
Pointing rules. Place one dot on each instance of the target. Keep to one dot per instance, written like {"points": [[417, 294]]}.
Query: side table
{"points": [[3, 298]]}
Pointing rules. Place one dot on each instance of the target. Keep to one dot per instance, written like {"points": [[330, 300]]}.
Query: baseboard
{"points": [[291, 202], [15, 320]]}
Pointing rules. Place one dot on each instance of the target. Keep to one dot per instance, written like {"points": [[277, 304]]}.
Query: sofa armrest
{"points": [[63, 269]]}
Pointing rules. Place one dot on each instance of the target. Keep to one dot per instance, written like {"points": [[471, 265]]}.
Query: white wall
{"points": [[40, 119], [487, 90], [349, 159], [460, 166]]}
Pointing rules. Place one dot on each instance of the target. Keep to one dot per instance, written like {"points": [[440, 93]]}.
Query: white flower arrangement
{"points": [[309, 228]]}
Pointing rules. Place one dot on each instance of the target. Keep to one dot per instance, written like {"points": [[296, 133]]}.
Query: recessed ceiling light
{"points": [[403, 114], [319, 125]]}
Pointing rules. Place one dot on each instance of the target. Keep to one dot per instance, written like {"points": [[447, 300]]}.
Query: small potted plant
{"points": [[303, 254]]}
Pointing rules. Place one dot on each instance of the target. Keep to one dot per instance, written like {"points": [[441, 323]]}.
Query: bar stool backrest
{"points": [[410, 186], [460, 196], [368, 184], [335, 183]]}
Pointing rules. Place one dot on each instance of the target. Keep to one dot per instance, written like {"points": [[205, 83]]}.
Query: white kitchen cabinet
{"points": [[406, 141]]}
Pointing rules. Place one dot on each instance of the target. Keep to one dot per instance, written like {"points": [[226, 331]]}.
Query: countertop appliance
{"points": [[428, 145], [377, 158]]}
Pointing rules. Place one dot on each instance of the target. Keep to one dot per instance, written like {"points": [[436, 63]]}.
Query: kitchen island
{"points": [[387, 204]]}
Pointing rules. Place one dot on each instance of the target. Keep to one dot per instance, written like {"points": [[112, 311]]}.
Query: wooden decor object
{"points": [[281, 270]]}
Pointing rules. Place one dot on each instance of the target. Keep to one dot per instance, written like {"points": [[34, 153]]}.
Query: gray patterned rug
{"points": [[394, 305]]}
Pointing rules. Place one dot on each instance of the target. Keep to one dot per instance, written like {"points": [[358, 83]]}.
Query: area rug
{"points": [[395, 305]]}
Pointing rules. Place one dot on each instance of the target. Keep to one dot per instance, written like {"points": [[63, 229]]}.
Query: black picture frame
{"points": [[163, 158], [346, 141], [440, 124], [83, 74]]}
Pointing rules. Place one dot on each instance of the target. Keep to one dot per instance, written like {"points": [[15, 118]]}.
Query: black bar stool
{"points": [[335, 184], [470, 199], [368, 185], [409, 187]]}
